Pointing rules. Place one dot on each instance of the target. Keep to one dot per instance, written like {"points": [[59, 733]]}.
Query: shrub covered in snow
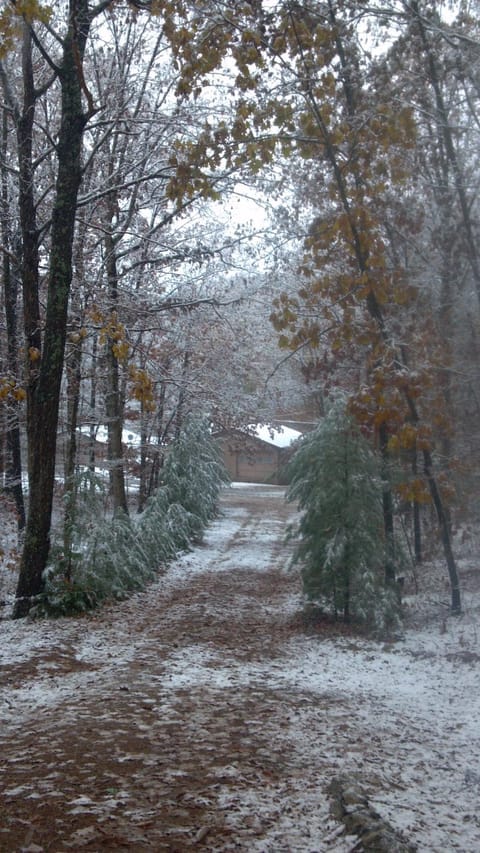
{"points": [[334, 476], [110, 557], [193, 474]]}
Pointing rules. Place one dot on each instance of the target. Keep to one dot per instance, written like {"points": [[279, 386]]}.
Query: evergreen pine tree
{"points": [[194, 473], [334, 476], [111, 557]]}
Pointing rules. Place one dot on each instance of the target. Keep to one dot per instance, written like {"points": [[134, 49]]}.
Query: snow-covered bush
{"points": [[109, 562], [194, 473], [109, 557], [334, 477], [153, 529]]}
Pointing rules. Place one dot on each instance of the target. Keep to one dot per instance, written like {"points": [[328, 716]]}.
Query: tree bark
{"points": [[387, 505], [45, 384], [11, 276], [13, 483], [74, 363], [180, 409], [114, 402], [416, 515], [93, 406]]}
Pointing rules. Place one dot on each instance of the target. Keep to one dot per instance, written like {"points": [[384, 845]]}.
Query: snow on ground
{"points": [[402, 717]]}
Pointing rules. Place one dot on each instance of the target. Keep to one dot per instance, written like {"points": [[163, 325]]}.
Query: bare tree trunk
{"points": [[113, 401], [47, 360], [142, 491], [11, 287], [387, 504], [73, 370], [417, 525], [13, 483], [180, 412], [93, 404]]}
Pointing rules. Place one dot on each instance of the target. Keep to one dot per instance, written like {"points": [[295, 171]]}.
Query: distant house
{"points": [[131, 442], [257, 454]]}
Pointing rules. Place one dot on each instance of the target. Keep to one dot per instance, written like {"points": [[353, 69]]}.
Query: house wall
{"points": [[249, 460]]}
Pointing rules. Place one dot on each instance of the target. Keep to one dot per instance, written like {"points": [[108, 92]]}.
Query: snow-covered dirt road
{"points": [[207, 714]]}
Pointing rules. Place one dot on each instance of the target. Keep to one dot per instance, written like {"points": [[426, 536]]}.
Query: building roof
{"points": [[278, 436]]}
